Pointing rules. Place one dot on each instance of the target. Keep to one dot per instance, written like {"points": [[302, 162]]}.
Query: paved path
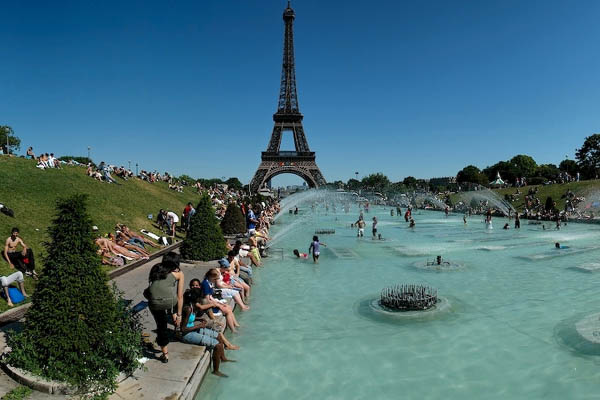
{"points": [[179, 376]]}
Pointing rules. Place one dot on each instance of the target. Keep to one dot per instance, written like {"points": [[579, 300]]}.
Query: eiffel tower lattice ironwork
{"points": [[288, 118]]}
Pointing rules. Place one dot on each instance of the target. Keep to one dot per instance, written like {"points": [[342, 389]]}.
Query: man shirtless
{"points": [[360, 224], [22, 260]]}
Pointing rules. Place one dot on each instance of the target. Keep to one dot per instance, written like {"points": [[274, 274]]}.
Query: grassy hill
{"points": [[32, 194], [556, 191]]}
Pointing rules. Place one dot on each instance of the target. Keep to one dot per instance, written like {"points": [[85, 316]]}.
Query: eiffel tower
{"points": [[288, 118]]}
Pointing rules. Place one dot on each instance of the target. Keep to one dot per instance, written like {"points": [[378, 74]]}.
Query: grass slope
{"points": [[555, 191], [32, 194]]}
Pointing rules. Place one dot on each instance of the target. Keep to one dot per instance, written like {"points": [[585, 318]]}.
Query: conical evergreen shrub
{"points": [[233, 221], [204, 240], [77, 330]]}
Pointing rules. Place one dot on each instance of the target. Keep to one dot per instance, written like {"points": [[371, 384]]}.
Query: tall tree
{"points": [[13, 142], [410, 181], [525, 165], [569, 166], [76, 330], [234, 183], [204, 240], [378, 182], [588, 156], [471, 174]]}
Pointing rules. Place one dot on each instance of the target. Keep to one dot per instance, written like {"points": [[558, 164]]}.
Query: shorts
{"points": [[361, 231], [243, 253], [203, 337], [316, 253], [374, 232]]}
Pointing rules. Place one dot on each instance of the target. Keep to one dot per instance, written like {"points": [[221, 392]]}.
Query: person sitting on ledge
{"points": [[210, 279], [226, 287], [8, 280], [196, 332]]}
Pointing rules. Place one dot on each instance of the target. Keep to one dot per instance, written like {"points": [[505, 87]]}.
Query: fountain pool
{"points": [[516, 320]]}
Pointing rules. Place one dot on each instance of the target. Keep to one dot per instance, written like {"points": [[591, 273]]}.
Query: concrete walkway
{"points": [[180, 377]]}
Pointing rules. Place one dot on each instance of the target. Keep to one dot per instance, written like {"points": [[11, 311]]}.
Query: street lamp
{"points": [[89, 148], [136, 169], [129, 164]]}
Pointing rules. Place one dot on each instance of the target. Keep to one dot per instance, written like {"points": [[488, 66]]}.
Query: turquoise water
{"points": [[505, 329]]}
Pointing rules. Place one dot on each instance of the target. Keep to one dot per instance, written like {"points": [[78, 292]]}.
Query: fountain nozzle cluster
{"points": [[409, 297]]}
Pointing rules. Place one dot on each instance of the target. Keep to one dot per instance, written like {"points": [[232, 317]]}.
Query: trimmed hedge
{"points": [[204, 240], [233, 221], [77, 329]]}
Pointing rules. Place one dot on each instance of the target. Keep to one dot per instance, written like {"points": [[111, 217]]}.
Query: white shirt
{"points": [[174, 216]]}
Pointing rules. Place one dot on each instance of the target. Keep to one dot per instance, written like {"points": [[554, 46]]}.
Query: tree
{"points": [[525, 165], [471, 174], [376, 182], [410, 181], [588, 156], [204, 240], [76, 329], [233, 221], [548, 171], [13, 142], [353, 184], [508, 172], [234, 183], [569, 166]]}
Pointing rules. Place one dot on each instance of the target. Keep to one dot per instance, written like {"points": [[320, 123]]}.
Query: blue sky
{"points": [[418, 88]]}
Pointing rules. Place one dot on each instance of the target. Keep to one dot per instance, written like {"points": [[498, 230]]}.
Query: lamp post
{"points": [[129, 164], [136, 169], [89, 148], [7, 144]]}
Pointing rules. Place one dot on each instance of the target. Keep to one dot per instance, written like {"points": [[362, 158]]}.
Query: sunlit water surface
{"points": [[505, 328]]}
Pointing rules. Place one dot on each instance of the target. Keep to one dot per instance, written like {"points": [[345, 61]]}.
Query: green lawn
{"points": [[555, 191], [32, 193]]}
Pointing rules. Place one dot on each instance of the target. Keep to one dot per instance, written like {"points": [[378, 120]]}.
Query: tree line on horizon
{"points": [[586, 163]]}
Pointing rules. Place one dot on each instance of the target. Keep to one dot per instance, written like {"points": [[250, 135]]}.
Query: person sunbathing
{"points": [[117, 250], [234, 273], [135, 235], [129, 246]]}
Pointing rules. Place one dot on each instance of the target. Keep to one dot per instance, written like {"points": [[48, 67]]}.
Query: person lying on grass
{"points": [[106, 244]]}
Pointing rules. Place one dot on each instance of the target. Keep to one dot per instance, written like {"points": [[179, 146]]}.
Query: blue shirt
{"points": [[251, 216]]}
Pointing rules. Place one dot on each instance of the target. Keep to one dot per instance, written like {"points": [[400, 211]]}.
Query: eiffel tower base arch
{"points": [[307, 170]]}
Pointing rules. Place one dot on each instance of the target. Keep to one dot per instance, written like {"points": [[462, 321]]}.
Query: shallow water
{"points": [[504, 330]]}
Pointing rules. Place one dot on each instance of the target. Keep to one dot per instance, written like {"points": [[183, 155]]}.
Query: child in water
{"points": [[300, 255], [315, 248]]}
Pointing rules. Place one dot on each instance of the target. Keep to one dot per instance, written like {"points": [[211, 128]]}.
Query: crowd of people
{"points": [[201, 313]]}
